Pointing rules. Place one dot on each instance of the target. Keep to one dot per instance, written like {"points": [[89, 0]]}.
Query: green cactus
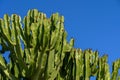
{"points": [[45, 53]]}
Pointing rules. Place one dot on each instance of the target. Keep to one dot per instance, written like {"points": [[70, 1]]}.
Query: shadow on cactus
{"points": [[39, 51]]}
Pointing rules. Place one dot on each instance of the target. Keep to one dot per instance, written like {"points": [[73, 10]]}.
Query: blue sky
{"points": [[93, 24]]}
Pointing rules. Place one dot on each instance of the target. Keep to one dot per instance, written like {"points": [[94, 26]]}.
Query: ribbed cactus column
{"points": [[116, 67], [79, 71], [87, 65], [103, 69]]}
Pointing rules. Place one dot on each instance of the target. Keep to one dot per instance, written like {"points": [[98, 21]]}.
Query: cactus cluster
{"points": [[39, 50]]}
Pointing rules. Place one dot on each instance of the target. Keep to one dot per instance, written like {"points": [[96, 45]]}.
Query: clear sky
{"points": [[93, 24]]}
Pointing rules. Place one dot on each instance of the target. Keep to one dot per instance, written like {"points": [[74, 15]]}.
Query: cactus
{"points": [[39, 51]]}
